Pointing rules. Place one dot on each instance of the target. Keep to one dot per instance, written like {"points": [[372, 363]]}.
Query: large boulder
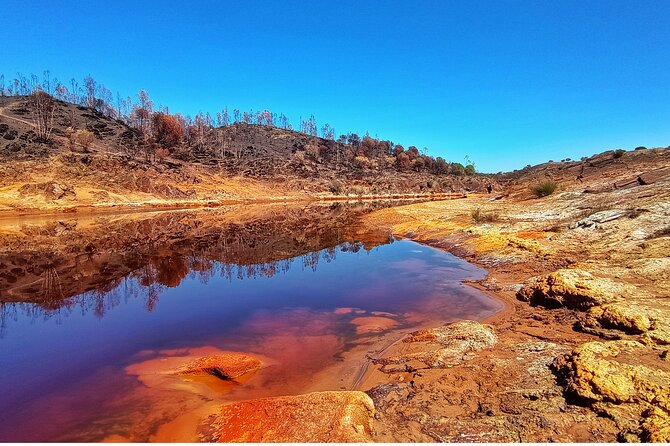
{"points": [[572, 288], [317, 417], [228, 365]]}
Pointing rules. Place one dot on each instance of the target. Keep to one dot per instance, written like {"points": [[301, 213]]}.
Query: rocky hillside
{"points": [[603, 172], [90, 159]]}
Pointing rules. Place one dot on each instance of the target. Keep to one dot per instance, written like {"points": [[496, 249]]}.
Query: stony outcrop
{"points": [[313, 417], [656, 426], [595, 374], [443, 346], [628, 317], [612, 378], [572, 288], [597, 218], [227, 365]]}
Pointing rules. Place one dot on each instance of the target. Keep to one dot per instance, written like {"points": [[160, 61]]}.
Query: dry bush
{"points": [[357, 190], [544, 188], [362, 162], [162, 153], [82, 137], [167, 130]]}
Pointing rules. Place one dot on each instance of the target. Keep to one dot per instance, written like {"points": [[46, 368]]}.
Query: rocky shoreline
{"points": [[583, 354], [579, 354]]}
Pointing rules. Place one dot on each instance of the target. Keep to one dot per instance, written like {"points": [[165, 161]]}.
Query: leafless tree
{"points": [[46, 83], [327, 132], [309, 126], [283, 121], [90, 87], [265, 118], [44, 108], [222, 118], [62, 92]]}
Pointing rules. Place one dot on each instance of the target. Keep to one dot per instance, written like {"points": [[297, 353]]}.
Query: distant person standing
{"points": [[489, 188]]}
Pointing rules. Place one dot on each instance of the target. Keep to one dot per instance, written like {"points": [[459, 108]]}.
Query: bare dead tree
{"points": [[44, 108], [51, 286]]}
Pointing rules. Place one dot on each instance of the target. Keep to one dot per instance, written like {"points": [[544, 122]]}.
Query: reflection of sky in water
{"points": [[37, 354]]}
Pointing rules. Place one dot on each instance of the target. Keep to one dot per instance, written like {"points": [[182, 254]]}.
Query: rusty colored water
{"points": [[310, 314]]}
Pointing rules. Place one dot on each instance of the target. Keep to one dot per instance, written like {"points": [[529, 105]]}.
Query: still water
{"points": [[88, 302]]}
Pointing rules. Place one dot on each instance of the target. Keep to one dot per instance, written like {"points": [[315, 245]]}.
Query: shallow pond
{"points": [[308, 291]]}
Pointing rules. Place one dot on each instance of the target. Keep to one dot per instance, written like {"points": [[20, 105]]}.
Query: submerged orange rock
{"points": [[336, 416], [205, 371], [372, 324], [228, 365]]}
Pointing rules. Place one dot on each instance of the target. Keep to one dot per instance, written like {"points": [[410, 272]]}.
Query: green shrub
{"points": [[457, 168], [479, 216], [618, 153], [544, 188]]}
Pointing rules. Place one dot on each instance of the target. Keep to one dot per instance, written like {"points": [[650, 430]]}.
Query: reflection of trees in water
{"points": [[150, 280], [97, 302], [52, 291]]}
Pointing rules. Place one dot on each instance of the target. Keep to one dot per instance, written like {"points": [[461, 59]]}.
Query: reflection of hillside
{"points": [[86, 261], [148, 282]]}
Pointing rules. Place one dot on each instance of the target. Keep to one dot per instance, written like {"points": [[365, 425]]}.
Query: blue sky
{"points": [[508, 83]]}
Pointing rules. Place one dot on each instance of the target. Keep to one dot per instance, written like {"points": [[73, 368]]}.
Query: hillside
{"points": [[91, 159]]}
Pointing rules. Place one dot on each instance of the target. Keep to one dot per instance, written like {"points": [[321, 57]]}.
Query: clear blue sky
{"points": [[506, 82]]}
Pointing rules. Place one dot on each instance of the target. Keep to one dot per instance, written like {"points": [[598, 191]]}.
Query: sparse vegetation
{"points": [[221, 138], [544, 188], [336, 187], [618, 153], [479, 216], [82, 138], [357, 190]]}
